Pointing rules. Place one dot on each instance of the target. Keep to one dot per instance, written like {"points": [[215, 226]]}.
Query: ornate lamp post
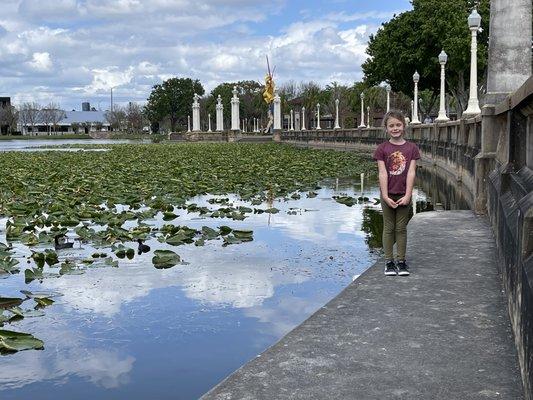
{"points": [[196, 114], [362, 124], [388, 89], [443, 58], [235, 119], [474, 22], [337, 126], [416, 78]]}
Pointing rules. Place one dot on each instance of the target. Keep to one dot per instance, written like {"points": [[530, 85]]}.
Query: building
{"points": [[5, 102], [73, 122]]}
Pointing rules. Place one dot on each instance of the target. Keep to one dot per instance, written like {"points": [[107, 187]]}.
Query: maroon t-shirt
{"points": [[397, 160]]}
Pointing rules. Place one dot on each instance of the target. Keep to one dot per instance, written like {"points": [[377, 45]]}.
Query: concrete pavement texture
{"points": [[441, 333]]}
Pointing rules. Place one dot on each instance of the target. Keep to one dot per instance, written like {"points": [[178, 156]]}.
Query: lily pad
{"points": [[11, 341], [165, 259], [8, 302]]}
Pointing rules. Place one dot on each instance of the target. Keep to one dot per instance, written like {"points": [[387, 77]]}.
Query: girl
{"points": [[397, 168]]}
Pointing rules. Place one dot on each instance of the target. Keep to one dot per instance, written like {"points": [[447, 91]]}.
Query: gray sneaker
{"points": [[390, 269]]}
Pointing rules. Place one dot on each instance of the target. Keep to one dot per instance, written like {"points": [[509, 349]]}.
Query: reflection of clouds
{"points": [[103, 367], [287, 313]]}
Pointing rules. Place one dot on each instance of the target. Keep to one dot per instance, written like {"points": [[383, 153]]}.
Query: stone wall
{"points": [[490, 157]]}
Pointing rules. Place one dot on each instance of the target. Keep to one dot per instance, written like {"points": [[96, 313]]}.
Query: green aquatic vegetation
{"points": [[165, 259], [11, 341]]}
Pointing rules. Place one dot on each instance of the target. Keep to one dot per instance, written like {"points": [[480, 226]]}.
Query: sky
{"points": [[71, 51]]}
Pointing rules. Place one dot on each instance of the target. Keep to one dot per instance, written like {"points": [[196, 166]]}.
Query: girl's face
{"points": [[395, 127]]}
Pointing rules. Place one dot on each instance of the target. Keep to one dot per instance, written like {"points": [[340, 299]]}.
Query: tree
{"points": [[116, 118], [75, 127], [29, 114], [51, 115], [173, 99], [413, 40], [134, 117]]}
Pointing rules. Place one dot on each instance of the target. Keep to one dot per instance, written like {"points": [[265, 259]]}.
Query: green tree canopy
{"points": [[413, 40], [173, 99]]}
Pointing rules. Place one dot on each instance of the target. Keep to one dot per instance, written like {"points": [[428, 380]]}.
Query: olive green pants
{"points": [[394, 228]]}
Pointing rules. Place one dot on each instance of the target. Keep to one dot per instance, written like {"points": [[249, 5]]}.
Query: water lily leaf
{"points": [[33, 295], [209, 233], [32, 273], [224, 230], [272, 210], [169, 216], [11, 341], [165, 259], [9, 265], [7, 302], [346, 200], [43, 302], [200, 242], [230, 239], [243, 235], [17, 311], [312, 195]]}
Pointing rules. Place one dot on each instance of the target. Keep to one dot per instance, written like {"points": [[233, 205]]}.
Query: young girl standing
{"points": [[397, 168]]}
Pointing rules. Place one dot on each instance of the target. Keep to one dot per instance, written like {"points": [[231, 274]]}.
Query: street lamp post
{"points": [[362, 124], [416, 79], [474, 23], [442, 117], [388, 89]]}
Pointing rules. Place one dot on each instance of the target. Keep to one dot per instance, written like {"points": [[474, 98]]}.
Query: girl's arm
{"points": [[405, 200], [383, 181]]}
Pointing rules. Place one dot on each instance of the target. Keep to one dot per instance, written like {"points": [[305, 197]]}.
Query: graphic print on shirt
{"points": [[396, 163]]}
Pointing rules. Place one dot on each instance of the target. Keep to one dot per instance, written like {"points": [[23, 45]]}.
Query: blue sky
{"points": [[69, 51]]}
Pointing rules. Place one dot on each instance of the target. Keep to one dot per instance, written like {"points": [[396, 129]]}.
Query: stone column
{"points": [[220, 114], [303, 119], [443, 58], [362, 124], [368, 117], [474, 22], [235, 119], [291, 127], [416, 78], [209, 123], [188, 123], [509, 64], [412, 108], [196, 114], [277, 112], [337, 126], [318, 117]]}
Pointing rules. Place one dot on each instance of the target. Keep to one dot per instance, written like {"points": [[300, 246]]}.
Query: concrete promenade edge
{"points": [[441, 333]]}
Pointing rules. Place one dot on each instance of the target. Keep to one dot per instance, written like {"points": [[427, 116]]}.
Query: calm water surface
{"points": [[31, 144]]}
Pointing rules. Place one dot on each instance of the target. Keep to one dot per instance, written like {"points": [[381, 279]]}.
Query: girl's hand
{"points": [[391, 203], [404, 201]]}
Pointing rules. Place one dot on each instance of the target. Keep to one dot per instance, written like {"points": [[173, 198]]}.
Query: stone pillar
{"points": [[443, 58], [235, 119], [416, 78], [318, 117], [362, 124], [474, 22], [188, 123], [509, 64], [412, 108], [337, 126], [277, 112], [196, 114], [209, 123], [220, 115], [303, 119], [368, 117], [291, 126]]}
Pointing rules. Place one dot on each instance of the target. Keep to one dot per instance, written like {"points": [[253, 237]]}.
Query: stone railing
{"points": [[451, 146], [491, 156]]}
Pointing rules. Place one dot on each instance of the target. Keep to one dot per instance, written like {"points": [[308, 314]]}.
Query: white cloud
{"points": [[41, 62]]}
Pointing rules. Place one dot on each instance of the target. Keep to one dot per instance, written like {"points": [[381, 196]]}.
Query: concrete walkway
{"points": [[441, 333]]}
